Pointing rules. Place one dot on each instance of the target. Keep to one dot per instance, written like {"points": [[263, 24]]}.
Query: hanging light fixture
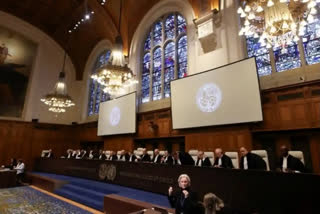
{"points": [[277, 23], [116, 75], [58, 101]]}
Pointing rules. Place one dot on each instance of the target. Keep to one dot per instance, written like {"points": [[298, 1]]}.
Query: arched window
{"points": [[165, 57], [290, 58], [96, 94]]}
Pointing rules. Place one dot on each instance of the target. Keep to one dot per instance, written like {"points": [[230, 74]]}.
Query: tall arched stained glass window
{"points": [[96, 94], [165, 49]]}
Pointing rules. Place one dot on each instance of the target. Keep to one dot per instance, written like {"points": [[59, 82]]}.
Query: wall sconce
{"points": [[206, 27]]}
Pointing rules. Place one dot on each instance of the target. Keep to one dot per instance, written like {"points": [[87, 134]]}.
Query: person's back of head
{"points": [[212, 203]]}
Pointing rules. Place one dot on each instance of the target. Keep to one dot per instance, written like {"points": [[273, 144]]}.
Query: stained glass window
{"points": [[169, 27], [262, 56], [96, 94], [147, 43], [169, 59], [311, 43], [145, 94], [182, 25], [165, 41], [156, 75], [157, 34], [182, 57], [287, 59]]}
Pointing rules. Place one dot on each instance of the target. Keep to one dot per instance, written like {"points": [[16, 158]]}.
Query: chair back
{"points": [[234, 158], [264, 155]]}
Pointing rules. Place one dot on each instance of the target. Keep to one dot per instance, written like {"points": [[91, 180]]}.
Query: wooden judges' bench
{"points": [[7, 178], [242, 190]]}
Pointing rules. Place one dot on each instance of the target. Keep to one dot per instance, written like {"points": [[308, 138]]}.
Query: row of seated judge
{"points": [[290, 161]]}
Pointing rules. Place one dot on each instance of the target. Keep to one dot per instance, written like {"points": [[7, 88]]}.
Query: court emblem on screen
{"points": [[107, 171], [209, 97], [115, 116]]}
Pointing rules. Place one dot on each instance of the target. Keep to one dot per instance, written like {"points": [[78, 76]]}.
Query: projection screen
{"points": [[118, 116], [225, 95]]}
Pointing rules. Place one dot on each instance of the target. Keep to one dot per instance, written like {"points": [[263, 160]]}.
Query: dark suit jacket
{"points": [[133, 159], [145, 158], [102, 156], [205, 162], [292, 164], [113, 157], [125, 157], [254, 162], [168, 161], [184, 205], [226, 162], [186, 158], [158, 160]]}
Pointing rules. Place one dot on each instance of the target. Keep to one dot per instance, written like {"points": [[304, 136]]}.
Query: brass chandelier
{"points": [[58, 101], [116, 75], [277, 23]]}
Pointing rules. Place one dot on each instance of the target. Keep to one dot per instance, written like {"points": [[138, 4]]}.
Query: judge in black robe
{"points": [[202, 161], [253, 161], [293, 163], [222, 160], [166, 158], [113, 156], [145, 157], [156, 157], [130, 157]]}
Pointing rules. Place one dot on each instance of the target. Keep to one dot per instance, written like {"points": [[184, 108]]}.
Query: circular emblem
{"points": [[112, 172], [114, 117], [209, 97], [103, 171], [107, 171]]}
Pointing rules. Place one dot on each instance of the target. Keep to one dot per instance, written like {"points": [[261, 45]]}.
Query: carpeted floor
{"points": [[22, 200], [91, 193]]}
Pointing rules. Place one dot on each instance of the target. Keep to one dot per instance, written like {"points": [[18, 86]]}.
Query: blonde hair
{"points": [[212, 203], [186, 177]]}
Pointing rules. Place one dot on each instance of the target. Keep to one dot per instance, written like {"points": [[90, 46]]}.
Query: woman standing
{"points": [[184, 201]]}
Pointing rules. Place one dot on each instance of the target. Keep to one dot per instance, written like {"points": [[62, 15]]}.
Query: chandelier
{"points": [[277, 23], [116, 75], [59, 100]]}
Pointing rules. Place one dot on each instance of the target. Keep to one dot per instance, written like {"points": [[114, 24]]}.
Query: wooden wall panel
{"points": [[27, 140], [229, 140]]}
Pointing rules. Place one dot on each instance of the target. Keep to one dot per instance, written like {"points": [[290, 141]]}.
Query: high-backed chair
{"points": [[264, 155], [210, 155], [234, 158], [161, 152], [297, 154], [150, 153], [194, 154]]}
